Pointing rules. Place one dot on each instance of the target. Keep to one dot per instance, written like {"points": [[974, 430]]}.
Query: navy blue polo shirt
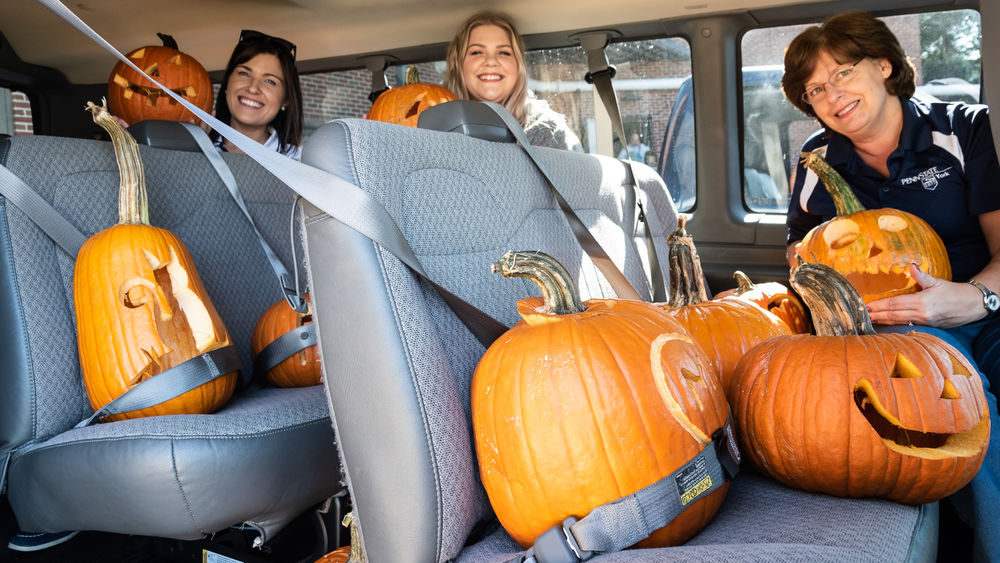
{"points": [[944, 171]]}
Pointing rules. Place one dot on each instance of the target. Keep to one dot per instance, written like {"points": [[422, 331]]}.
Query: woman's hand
{"points": [[939, 303]]}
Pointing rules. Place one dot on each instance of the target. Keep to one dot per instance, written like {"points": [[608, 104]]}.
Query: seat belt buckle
{"points": [[291, 295], [591, 76], [726, 450], [557, 545]]}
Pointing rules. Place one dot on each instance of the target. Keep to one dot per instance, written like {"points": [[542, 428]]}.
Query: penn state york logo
{"points": [[928, 178]]}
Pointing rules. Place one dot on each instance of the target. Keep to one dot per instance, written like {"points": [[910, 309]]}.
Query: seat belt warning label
{"points": [[693, 480]]}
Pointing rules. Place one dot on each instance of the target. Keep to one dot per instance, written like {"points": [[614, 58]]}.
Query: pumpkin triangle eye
{"points": [[153, 70], [958, 368], [175, 60], [949, 391], [904, 368], [414, 109], [875, 251]]}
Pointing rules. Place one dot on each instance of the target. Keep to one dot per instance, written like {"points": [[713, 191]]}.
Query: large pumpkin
{"points": [[853, 413], [581, 404], [302, 368], [141, 308], [403, 104], [724, 328], [872, 248], [775, 298], [134, 98]]}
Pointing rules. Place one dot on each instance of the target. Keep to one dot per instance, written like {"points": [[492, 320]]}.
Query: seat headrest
{"points": [[469, 118], [164, 135]]}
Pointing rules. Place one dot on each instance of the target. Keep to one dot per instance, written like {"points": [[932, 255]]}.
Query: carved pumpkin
{"points": [[141, 308], [724, 328], [872, 248], [403, 104], [581, 404], [853, 413], [303, 368], [134, 98], [775, 298]]}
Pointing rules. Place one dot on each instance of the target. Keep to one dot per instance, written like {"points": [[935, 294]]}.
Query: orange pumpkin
{"points": [[141, 308], [134, 98], [303, 368], [403, 104], [872, 248], [580, 404], [853, 413], [339, 555], [775, 298], [726, 328]]}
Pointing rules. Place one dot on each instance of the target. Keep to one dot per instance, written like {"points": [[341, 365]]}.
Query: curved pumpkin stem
{"points": [[743, 283], [687, 281], [558, 290], [843, 198], [836, 306], [412, 76], [133, 209]]}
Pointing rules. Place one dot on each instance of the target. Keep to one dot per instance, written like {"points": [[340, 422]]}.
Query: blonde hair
{"points": [[453, 79]]}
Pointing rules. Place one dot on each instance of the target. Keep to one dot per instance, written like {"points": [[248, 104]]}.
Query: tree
{"points": [[950, 45]]}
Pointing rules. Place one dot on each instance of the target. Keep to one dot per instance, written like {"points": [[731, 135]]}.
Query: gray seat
{"points": [[252, 463], [398, 374]]}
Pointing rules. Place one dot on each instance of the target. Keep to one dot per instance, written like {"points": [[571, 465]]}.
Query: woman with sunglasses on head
{"points": [[486, 63], [935, 160], [260, 95]]}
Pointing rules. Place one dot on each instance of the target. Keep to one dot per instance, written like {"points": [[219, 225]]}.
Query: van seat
{"points": [[183, 477], [399, 371]]}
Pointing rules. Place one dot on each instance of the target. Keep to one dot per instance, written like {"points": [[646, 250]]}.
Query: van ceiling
{"points": [[208, 29]]}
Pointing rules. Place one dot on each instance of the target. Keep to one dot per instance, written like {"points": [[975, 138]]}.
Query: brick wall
{"points": [[22, 114]]}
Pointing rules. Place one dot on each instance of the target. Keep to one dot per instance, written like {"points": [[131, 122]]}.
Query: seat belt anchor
{"points": [[291, 295], [558, 545], [591, 76], [726, 450]]}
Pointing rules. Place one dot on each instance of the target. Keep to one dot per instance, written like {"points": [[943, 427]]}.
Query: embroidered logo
{"points": [[928, 178]]}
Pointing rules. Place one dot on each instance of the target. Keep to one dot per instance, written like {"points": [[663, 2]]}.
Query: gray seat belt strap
{"points": [[284, 347], [598, 256], [618, 524], [171, 383], [337, 197], [61, 231]]}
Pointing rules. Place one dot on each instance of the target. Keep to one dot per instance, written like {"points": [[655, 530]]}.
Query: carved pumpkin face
{"points": [[874, 249], [601, 403], [141, 309], [402, 105], [902, 417], [134, 98]]}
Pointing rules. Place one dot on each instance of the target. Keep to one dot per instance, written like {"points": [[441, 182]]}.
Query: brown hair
{"points": [[846, 37], [453, 79]]}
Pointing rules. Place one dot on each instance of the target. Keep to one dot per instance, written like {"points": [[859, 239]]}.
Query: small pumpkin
{"points": [[303, 368], [873, 248], [773, 297], [141, 308], [724, 328], [403, 104], [134, 98], [849, 412], [580, 404]]}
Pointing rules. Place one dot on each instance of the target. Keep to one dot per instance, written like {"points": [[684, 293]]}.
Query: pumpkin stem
{"points": [[168, 41], [687, 282], [743, 282], [133, 208], [836, 306], [558, 290], [843, 198], [412, 75]]}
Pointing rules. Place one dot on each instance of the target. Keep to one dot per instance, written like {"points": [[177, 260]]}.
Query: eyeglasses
{"points": [[284, 44], [838, 78]]}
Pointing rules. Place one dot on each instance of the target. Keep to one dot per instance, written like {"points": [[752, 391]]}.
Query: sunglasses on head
{"points": [[284, 44]]}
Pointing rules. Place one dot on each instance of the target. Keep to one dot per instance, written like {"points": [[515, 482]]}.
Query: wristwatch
{"points": [[990, 299]]}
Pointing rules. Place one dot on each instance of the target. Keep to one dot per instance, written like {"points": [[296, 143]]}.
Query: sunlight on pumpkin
{"points": [[673, 405], [891, 223]]}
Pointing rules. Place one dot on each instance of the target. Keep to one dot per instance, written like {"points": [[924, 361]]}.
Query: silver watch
{"points": [[990, 300]]}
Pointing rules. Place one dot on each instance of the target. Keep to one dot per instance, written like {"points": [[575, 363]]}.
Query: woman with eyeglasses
{"points": [[936, 160], [260, 95], [485, 63]]}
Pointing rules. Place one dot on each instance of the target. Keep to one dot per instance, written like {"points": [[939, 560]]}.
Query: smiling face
{"points": [[857, 106], [489, 66], [255, 92]]}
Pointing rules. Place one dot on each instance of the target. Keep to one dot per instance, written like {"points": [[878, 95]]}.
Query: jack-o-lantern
{"points": [[775, 298], [872, 248], [134, 98], [580, 404], [302, 368], [853, 413], [141, 308], [403, 104], [725, 328]]}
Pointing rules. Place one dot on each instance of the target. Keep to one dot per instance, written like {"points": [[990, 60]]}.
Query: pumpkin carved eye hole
{"points": [[958, 369], [949, 391], [875, 251], [414, 109], [904, 369], [840, 233]]}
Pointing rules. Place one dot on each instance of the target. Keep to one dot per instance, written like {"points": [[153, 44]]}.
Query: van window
{"points": [[944, 47], [15, 113]]}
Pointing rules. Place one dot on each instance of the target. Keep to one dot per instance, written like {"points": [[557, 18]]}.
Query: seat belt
{"points": [[600, 73], [51, 222], [376, 64], [332, 194]]}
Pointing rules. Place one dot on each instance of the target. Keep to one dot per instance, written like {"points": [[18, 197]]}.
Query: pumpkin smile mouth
{"points": [[909, 441]]}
